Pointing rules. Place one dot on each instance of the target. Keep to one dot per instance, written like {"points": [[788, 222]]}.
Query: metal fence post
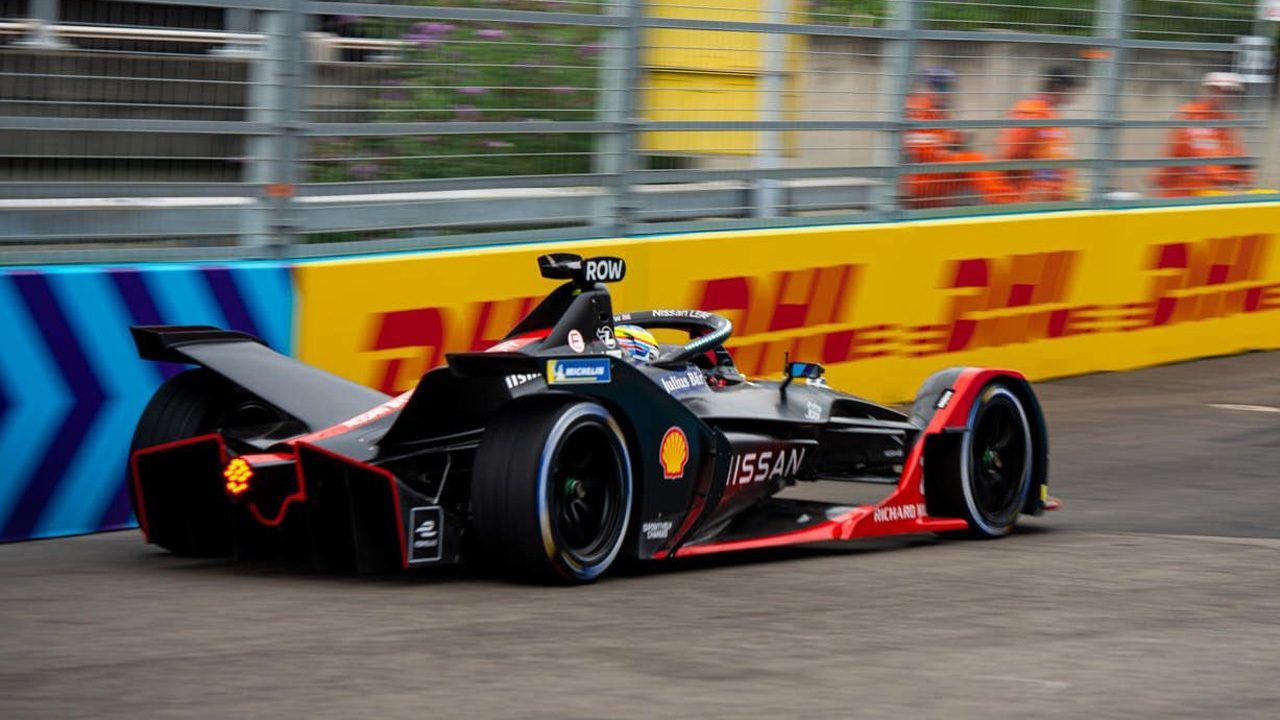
{"points": [[45, 15], [1261, 96], [614, 155], [768, 155], [899, 62], [237, 20], [276, 79], [1110, 32]]}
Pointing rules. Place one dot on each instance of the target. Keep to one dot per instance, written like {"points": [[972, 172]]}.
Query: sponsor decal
{"points": [[409, 342], [695, 314], [657, 530], [605, 335], [679, 383], [513, 344], [576, 343], [989, 302], [812, 410], [1000, 301], [673, 453], [425, 539], [604, 269], [895, 513], [1211, 278], [945, 400], [518, 379], [785, 307], [382, 410], [570, 371], [773, 464]]}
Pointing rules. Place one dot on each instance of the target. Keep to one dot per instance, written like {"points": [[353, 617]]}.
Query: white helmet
{"points": [[1224, 81]]}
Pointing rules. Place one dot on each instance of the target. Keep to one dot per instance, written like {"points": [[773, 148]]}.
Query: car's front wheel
{"points": [[551, 490], [996, 458]]}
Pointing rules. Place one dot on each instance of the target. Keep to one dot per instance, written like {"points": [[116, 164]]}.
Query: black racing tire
{"points": [[552, 490], [197, 402], [996, 462]]}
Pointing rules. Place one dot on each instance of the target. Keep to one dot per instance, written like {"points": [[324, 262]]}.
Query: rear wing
{"points": [[317, 398]]}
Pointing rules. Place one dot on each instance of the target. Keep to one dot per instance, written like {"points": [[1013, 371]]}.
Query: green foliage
{"points": [[463, 72]]}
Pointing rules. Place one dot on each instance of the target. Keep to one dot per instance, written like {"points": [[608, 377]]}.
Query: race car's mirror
{"points": [[559, 266], [804, 370], [797, 371]]}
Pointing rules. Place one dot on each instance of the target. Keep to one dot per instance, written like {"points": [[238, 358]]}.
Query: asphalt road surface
{"points": [[1154, 593]]}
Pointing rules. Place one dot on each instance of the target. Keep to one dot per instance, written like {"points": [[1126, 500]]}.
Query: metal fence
{"points": [[297, 127]]}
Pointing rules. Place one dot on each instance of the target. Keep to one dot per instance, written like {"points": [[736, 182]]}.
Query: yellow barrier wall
{"points": [[882, 306], [694, 75]]}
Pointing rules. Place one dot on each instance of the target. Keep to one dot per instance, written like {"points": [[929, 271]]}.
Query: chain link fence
{"points": [[296, 127]]}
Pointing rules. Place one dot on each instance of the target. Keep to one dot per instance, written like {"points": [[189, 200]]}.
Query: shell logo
{"points": [[673, 453]]}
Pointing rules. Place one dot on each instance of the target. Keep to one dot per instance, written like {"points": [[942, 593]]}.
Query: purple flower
{"points": [[589, 50], [473, 90], [561, 89], [496, 144], [433, 28], [394, 95], [491, 34], [364, 171], [426, 34]]}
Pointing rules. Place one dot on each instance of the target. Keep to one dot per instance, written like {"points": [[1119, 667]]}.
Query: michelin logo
{"points": [[568, 371]]}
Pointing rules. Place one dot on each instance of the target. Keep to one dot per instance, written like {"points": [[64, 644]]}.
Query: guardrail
{"points": [[434, 125]]}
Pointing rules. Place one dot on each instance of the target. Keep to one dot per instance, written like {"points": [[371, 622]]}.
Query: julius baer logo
{"points": [[567, 371]]}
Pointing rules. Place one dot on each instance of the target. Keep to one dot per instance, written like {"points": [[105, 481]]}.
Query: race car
{"points": [[578, 440]]}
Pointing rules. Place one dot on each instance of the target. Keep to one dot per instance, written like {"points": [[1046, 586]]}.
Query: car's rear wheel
{"points": [[551, 491], [996, 458], [196, 402]]}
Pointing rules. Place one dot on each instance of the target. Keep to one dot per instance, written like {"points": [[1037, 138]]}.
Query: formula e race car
{"points": [[555, 453]]}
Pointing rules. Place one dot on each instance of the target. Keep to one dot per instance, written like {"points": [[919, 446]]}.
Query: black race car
{"points": [[555, 453]]}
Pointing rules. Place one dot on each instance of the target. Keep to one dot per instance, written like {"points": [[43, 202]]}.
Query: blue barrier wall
{"points": [[72, 386]]}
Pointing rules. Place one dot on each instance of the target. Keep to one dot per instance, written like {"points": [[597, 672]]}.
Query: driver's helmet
{"points": [[639, 344]]}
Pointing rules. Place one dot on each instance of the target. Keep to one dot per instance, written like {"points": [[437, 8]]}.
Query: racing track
{"points": [[1154, 593]]}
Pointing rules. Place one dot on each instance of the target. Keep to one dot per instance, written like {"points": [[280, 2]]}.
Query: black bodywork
{"points": [[353, 479]]}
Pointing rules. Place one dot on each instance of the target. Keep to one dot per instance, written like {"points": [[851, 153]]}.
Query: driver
{"points": [[639, 344]]}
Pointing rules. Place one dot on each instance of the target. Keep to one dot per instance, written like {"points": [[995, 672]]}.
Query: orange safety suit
{"points": [[1201, 142], [937, 145], [1038, 143]]}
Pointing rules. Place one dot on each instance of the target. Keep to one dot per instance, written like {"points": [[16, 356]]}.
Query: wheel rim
{"points": [[249, 413], [999, 458], [587, 500]]}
